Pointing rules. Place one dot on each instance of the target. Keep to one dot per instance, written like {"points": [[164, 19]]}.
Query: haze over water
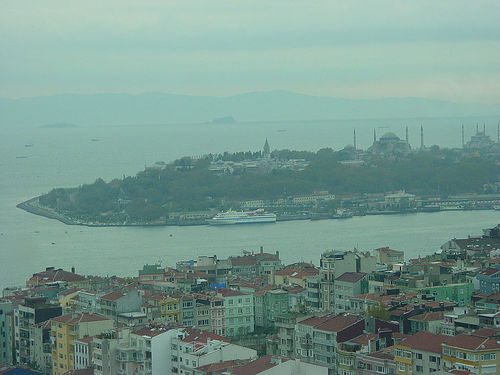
{"points": [[69, 157]]}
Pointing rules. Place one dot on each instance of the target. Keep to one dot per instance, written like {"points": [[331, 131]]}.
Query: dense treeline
{"points": [[188, 185]]}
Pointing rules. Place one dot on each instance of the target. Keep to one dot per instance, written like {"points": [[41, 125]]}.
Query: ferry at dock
{"points": [[242, 217]]}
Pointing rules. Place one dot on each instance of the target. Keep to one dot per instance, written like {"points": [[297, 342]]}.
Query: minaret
{"points": [[407, 134], [267, 150], [484, 128], [374, 136], [355, 139], [477, 128], [498, 132], [463, 136], [421, 137]]}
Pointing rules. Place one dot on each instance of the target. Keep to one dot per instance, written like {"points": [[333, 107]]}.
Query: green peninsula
{"points": [[218, 182]]}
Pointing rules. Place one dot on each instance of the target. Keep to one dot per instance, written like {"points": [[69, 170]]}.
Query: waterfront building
{"points": [[477, 352], [66, 329], [419, 354], [399, 201], [390, 256], [151, 273], [52, 275], [271, 365], [348, 285], [258, 264], [32, 311]]}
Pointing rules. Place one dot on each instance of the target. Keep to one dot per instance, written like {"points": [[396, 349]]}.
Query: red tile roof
{"points": [[222, 366], [351, 277], [425, 341], [152, 331], [73, 319], [489, 271], [229, 292], [472, 342], [56, 275], [338, 323], [255, 367], [69, 291], [196, 335], [429, 316], [113, 296], [315, 320], [248, 260], [388, 250]]}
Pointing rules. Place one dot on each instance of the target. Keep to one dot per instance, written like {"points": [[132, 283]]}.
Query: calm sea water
{"points": [[69, 157]]}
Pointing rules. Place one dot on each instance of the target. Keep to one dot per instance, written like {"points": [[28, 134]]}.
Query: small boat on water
{"points": [[95, 139], [342, 214], [21, 157], [28, 145]]}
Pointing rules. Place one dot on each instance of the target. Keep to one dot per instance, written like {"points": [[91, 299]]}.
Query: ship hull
{"points": [[248, 220]]}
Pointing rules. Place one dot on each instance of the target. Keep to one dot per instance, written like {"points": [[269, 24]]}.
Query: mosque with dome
{"points": [[390, 144]]}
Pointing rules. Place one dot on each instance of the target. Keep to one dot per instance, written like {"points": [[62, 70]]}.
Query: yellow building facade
{"points": [[65, 329], [477, 352], [169, 309]]}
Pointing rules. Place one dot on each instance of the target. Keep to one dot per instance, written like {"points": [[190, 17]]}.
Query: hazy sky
{"points": [[446, 49]]}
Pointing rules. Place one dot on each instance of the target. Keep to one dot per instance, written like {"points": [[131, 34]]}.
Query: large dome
{"points": [[390, 136]]}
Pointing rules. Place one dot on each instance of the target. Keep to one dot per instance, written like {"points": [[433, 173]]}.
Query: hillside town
{"points": [[358, 312]]}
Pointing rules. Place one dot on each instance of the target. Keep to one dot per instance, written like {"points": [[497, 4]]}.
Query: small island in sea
{"points": [[388, 178], [223, 120]]}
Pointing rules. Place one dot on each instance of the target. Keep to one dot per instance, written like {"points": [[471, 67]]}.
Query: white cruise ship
{"points": [[238, 217]]}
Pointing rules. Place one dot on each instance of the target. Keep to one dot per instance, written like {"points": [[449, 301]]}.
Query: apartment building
{"points": [[419, 354], [477, 352], [66, 329]]}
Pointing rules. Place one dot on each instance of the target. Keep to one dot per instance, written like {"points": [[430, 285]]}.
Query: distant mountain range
{"points": [[161, 108]]}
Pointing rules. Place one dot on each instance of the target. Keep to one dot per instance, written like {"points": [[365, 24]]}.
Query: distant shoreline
{"points": [[32, 206]]}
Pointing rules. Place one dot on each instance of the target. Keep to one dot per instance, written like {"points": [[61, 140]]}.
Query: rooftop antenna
{"points": [[463, 137], [355, 148]]}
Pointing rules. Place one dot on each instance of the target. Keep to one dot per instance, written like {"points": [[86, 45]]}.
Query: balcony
{"points": [[324, 341]]}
